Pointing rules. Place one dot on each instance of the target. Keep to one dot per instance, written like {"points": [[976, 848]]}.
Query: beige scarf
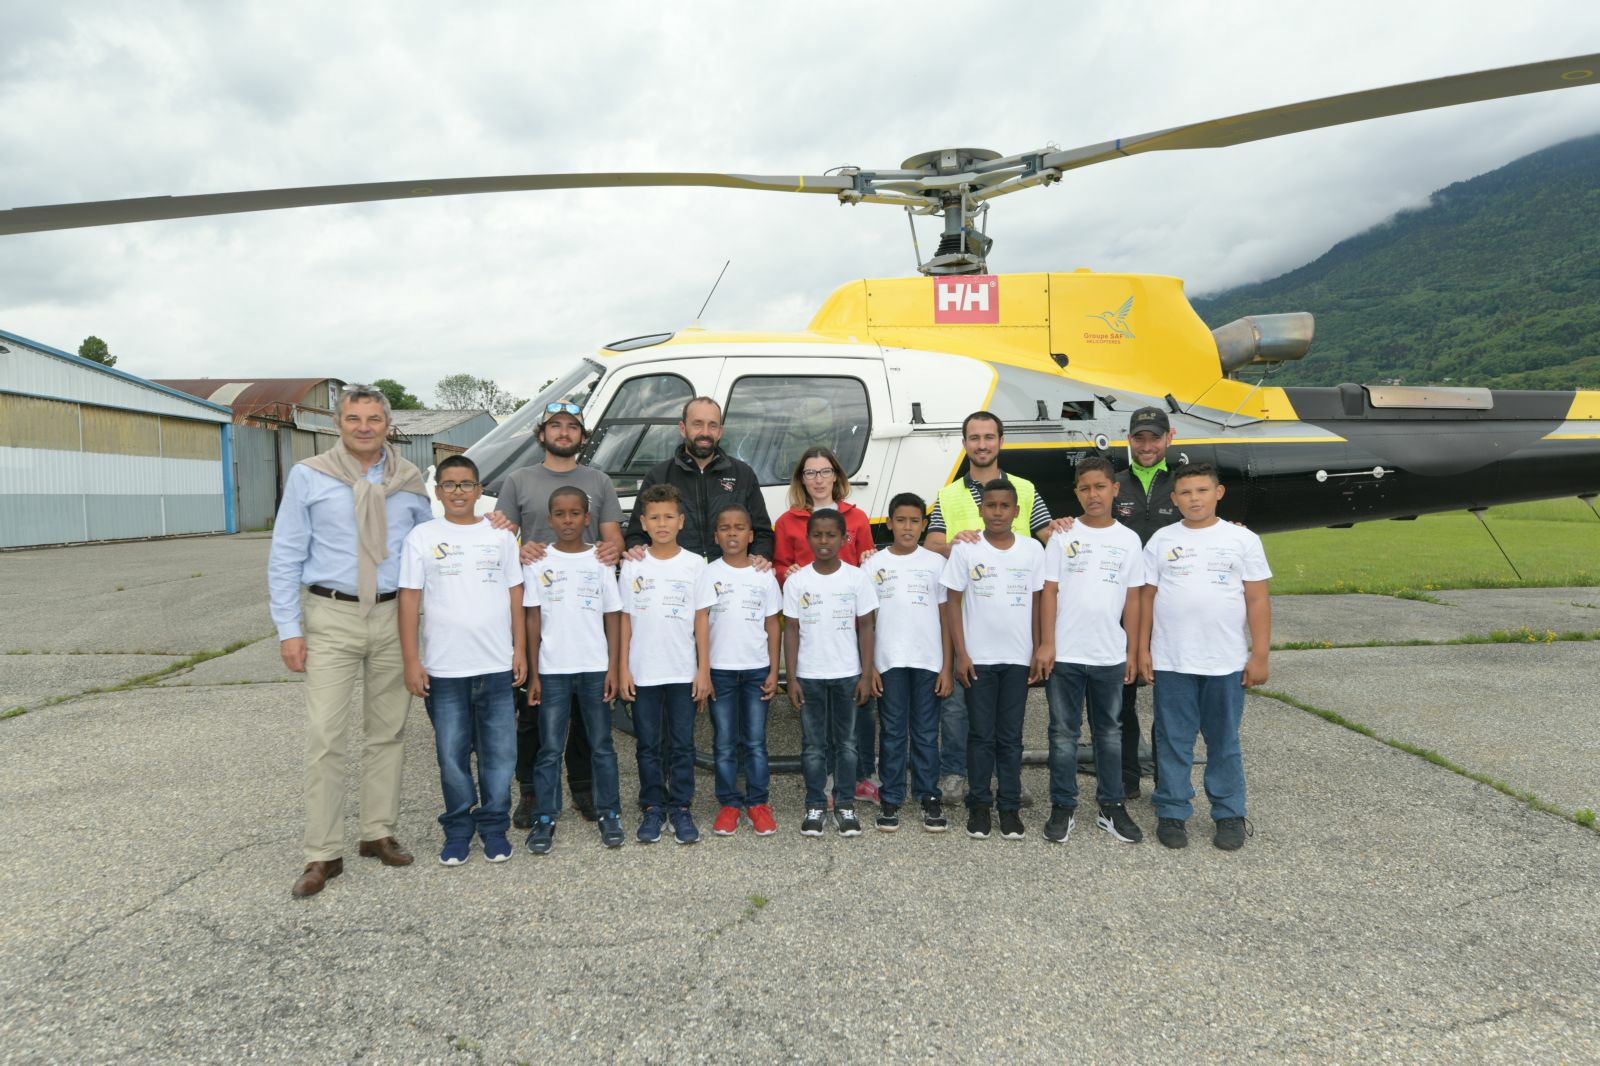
{"points": [[372, 517]]}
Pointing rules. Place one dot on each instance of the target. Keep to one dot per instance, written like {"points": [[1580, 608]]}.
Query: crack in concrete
{"points": [[65, 956]]}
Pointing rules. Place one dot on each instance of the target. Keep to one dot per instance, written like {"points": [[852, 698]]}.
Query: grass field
{"points": [[1552, 542]]}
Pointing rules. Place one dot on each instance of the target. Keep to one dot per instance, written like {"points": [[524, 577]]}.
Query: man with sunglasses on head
{"points": [[524, 499]]}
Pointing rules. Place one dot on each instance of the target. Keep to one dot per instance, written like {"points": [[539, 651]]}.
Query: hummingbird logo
{"points": [[1117, 321]]}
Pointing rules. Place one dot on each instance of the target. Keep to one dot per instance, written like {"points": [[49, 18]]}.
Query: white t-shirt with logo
{"points": [[658, 595], [909, 593], [466, 573], [1199, 624], [997, 590], [1093, 569], [574, 591], [825, 607], [738, 601]]}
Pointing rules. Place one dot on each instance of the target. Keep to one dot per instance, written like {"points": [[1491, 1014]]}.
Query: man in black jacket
{"points": [[1143, 504], [708, 479]]}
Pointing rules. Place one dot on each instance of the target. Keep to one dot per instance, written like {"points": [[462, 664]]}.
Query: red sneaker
{"points": [[727, 821], [867, 790], [761, 819]]}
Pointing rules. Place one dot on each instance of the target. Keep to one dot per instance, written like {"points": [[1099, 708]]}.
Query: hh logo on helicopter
{"points": [[969, 299], [1116, 322]]}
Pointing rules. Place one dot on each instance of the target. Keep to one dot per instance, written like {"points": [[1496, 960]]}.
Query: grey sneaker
{"points": [[952, 788], [1114, 819], [1172, 833], [1231, 833], [1061, 824], [1027, 798]]}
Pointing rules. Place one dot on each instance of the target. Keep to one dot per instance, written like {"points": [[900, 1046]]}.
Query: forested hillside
{"points": [[1495, 282]]}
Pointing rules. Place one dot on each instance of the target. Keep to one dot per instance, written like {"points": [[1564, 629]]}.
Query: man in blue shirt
{"points": [[344, 516]]}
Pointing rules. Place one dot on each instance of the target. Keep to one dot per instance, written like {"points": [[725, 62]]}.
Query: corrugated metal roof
{"points": [[264, 397], [115, 382], [429, 422]]}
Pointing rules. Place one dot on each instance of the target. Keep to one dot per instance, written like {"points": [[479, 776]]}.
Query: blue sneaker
{"points": [[455, 852], [543, 836], [683, 826], [496, 848], [611, 829], [650, 826]]}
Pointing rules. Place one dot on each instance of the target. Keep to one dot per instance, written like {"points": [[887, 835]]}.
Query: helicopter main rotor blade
{"points": [[1338, 110], [151, 208]]}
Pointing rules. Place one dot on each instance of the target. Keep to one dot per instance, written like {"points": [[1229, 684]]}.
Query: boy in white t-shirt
{"points": [[911, 664], [661, 649], [1205, 581], [993, 617], [472, 655], [827, 642], [1088, 644], [739, 606], [573, 642]]}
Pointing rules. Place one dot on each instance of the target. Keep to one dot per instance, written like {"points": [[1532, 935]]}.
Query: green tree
{"points": [[399, 398], [95, 349], [464, 392]]}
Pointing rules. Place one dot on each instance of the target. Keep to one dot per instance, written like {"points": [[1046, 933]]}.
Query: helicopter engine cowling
{"points": [[1264, 339]]}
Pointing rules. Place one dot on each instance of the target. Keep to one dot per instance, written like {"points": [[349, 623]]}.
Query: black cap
{"points": [[1153, 419]]}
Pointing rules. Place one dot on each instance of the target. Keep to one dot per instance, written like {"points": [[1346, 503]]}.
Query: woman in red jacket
{"points": [[818, 481]]}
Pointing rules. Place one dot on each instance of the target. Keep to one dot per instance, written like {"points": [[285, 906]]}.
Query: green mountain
{"points": [[1496, 282]]}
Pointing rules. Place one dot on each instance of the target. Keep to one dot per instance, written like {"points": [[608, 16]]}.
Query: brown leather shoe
{"points": [[388, 850], [316, 875]]}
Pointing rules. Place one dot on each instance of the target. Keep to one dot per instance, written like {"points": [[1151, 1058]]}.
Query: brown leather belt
{"points": [[345, 597]]}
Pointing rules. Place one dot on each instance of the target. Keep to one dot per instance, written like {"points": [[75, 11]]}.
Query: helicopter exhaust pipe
{"points": [[1264, 339]]}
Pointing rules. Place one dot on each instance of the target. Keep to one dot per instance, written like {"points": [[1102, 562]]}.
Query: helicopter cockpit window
{"points": [[770, 421], [639, 429]]}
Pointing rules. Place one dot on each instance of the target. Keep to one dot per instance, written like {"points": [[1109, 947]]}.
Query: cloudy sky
{"points": [[113, 100]]}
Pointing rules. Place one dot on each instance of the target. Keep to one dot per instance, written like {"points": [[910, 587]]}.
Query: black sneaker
{"points": [[611, 829], [1114, 820], [1231, 833], [845, 818], [888, 818], [542, 838], [933, 819], [522, 817], [1062, 821], [1011, 825], [978, 821], [583, 803], [812, 826], [1171, 832]]}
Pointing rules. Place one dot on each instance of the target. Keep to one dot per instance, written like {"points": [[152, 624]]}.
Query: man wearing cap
{"points": [[525, 500], [344, 516], [1143, 504]]}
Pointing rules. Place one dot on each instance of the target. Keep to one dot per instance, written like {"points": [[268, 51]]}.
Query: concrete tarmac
{"points": [[1385, 907]]}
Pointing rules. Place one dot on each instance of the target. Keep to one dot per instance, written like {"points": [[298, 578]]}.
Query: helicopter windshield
{"points": [[512, 443]]}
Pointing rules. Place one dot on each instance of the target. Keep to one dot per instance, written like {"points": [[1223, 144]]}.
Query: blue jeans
{"points": [[558, 694], [953, 732], [828, 739], [995, 703], [866, 740], [1187, 704], [665, 711], [908, 710], [739, 723], [474, 714], [1066, 690]]}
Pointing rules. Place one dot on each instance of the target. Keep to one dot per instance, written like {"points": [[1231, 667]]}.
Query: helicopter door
{"points": [[639, 426], [771, 418]]}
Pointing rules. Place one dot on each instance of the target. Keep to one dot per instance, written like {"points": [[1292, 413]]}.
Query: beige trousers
{"points": [[341, 648]]}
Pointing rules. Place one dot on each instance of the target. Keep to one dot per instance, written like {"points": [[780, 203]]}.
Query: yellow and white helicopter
{"points": [[887, 368]]}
